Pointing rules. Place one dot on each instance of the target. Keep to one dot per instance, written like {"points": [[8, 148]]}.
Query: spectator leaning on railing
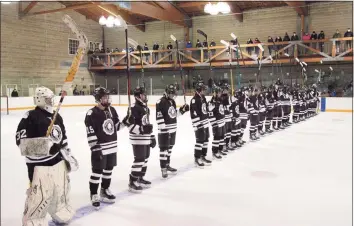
{"points": [[294, 37], [270, 47], [277, 47], [169, 47], [249, 49], [286, 39], [306, 37], [320, 36], [348, 43], [212, 44], [314, 37], [337, 35]]}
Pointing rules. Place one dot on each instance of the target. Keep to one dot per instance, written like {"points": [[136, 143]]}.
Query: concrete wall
{"points": [[332, 104], [35, 49]]}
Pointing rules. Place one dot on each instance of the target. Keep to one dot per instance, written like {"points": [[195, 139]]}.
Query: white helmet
{"points": [[44, 98]]}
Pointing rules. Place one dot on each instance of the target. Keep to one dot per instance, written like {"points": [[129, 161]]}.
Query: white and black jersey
{"points": [[242, 103], [166, 115], [261, 102], [216, 113], [141, 113], [269, 101], [235, 110], [101, 128], [199, 112], [35, 124], [227, 111]]}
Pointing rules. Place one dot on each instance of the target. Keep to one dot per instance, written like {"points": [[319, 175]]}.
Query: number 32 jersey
{"points": [[101, 128]]}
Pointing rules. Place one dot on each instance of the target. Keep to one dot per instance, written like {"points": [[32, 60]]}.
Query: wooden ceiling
{"points": [[138, 13]]}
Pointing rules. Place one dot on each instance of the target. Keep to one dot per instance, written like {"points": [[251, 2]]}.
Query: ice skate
{"points": [[206, 161], [171, 170], [164, 173], [268, 130], [253, 137], [95, 200], [199, 163], [222, 153], [261, 132], [144, 183], [107, 196], [217, 156], [134, 186], [231, 148]]}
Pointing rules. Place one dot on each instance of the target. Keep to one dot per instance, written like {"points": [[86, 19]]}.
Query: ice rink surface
{"points": [[301, 176]]}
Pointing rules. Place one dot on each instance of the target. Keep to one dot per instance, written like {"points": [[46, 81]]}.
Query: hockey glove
{"points": [[153, 141], [184, 109], [146, 129], [70, 161], [128, 120]]}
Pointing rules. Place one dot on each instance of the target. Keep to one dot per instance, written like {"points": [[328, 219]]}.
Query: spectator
{"points": [[108, 50], [306, 37], [198, 45], [14, 93], [210, 84], [337, 35], [314, 37], [286, 39], [169, 47], [146, 48], [116, 50], [163, 49], [348, 43], [249, 49], [256, 41], [189, 45], [212, 44], [320, 36], [205, 45], [75, 91], [156, 48], [294, 37], [277, 47], [270, 47]]}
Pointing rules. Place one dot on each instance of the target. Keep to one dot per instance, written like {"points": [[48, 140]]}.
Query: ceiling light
{"points": [[102, 20]]}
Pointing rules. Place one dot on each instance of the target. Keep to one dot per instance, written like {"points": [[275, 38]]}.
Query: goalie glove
{"points": [[70, 161]]}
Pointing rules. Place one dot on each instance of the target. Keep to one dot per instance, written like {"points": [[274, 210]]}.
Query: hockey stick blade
{"points": [[233, 36], [225, 43], [173, 38], [83, 42], [202, 33], [132, 43], [260, 47]]}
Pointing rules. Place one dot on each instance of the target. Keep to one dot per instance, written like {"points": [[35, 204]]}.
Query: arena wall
{"points": [[328, 104]]}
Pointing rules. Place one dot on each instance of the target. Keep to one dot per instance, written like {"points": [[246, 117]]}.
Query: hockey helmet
{"points": [[102, 97], [199, 86], [171, 91], [140, 94], [44, 98]]}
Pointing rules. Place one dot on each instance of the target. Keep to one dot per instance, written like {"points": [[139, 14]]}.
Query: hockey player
{"points": [[262, 110], [141, 138], [48, 160], [236, 121], [269, 102], [296, 104], [253, 110], [199, 116], [228, 117], [278, 114], [285, 105], [243, 103], [166, 118], [217, 121], [102, 123]]}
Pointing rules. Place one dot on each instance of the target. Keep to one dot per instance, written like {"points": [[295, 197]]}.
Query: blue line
{"points": [[89, 209], [323, 104]]}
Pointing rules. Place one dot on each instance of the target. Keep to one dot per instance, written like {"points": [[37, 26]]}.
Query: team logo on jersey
{"points": [[145, 120], [204, 109], [221, 109], [56, 135], [172, 112], [108, 126], [237, 109]]}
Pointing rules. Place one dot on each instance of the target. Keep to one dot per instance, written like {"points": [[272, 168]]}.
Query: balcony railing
{"points": [[334, 49]]}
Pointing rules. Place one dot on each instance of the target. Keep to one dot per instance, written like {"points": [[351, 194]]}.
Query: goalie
{"points": [[48, 162]]}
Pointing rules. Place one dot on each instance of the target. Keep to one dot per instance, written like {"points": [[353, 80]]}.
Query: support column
{"points": [[302, 26]]}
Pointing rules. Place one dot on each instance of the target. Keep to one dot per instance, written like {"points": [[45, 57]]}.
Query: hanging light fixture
{"points": [[214, 9], [116, 22], [207, 8], [102, 20], [223, 7]]}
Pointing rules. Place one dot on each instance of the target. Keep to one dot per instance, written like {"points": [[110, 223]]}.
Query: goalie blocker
{"points": [[48, 161]]}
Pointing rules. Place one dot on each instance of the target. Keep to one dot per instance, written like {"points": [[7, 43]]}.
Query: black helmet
{"points": [[199, 86], [171, 91], [216, 89], [138, 91], [100, 92]]}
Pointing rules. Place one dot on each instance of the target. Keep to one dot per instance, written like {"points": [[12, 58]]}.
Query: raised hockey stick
{"points": [[135, 45], [225, 43], [260, 66], [206, 39], [180, 67], [239, 47], [83, 42]]}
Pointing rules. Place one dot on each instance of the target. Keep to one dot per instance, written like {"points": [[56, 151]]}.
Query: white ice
{"points": [[299, 176]]}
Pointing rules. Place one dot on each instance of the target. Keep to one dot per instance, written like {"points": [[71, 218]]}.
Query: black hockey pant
{"points": [[278, 114], [141, 157], [302, 110], [218, 138], [262, 117], [254, 119], [166, 143], [228, 128], [236, 130], [201, 144], [296, 113], [269, 118], [286, 111], [243, 127]]}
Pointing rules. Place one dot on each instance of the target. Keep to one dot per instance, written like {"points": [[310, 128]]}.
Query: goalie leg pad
{"points": [[39, 197], [60, 209]]}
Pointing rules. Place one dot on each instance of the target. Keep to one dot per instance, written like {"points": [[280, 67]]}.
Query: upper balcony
{"points": [[312, 51]]}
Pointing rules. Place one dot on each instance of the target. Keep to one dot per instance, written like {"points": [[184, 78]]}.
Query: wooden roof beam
{"points": [[28, 8], [299, 6], [72, 7], [145, 9], [113, 10], [171, 7], [237, 11]]}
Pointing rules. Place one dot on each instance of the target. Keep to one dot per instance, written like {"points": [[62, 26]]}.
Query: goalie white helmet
{"points": [[44, 98]]}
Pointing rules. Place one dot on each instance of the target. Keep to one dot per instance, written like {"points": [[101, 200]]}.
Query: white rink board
{"points": [[295, 177]]}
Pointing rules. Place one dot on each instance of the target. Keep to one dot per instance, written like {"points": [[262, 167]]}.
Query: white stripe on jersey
{"points": [[40, 159], [140, 139]]}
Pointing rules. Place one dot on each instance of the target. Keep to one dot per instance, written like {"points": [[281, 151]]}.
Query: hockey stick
{"points": [[259, 65], [230, 63], [135, 45], [239, 47], [206, 39], [83, 42], [180, 67]]}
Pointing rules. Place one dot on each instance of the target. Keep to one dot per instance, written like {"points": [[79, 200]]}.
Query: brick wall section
{"points": [[33, 48], [331, 16]]}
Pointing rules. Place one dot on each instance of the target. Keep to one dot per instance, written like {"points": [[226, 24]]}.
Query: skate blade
{"points": [[96, 208], [172, 173], [145, 186], [135, 191], [200, 167], [207, 164], [105, 200], [217, 159]]}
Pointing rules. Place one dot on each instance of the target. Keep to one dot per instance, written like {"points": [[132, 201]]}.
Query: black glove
{"points": [[146, 129], [153, 141], [184, 109], [128, 120]]}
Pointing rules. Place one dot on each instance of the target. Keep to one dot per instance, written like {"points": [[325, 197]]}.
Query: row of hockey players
{"points": [[49, 159]]}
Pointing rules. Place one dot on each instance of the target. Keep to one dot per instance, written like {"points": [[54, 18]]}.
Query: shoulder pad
{"points": [[26, 115], [89, 112], [193, 101]]}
